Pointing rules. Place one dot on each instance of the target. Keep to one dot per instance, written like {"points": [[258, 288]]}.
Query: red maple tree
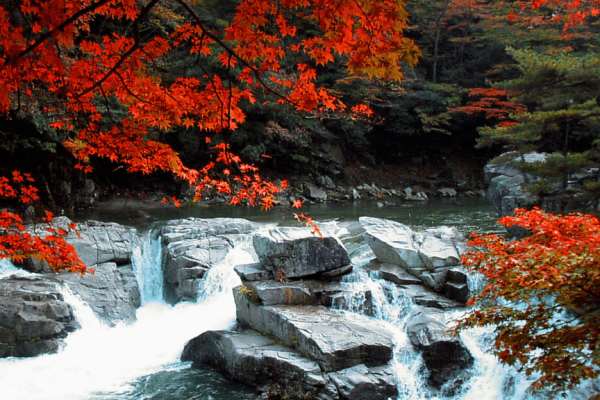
{"points": [[52, 58], [542, 295]]}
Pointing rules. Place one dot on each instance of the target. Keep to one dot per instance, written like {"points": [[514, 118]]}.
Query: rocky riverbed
{"points": [[295, 331]]}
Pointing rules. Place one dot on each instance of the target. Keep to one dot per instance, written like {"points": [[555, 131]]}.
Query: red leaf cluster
{"points": [[542, 294]]}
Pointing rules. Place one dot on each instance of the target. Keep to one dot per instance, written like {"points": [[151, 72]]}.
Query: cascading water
{"points": [[490, 380], [102, 362], [147, 263]]}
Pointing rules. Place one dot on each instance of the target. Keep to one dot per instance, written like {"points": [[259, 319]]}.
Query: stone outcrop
{"points": [[107, 247], [444, 355], [34, 317], [102, 242], [505, 190], [112, 292], [289, 338], [191, 247], [314, 192], [296, 253], [507, 187], [325, 182], [431, 256]]}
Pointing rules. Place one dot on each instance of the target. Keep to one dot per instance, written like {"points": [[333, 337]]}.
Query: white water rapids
{"points": [[102, 362], [98, 358]]}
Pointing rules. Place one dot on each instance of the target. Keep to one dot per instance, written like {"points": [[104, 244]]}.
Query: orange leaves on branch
{"points": [[109, 95], [570, 13], [493, 102], [549, 320], [47, 243], [229, 176], [309, 222]]}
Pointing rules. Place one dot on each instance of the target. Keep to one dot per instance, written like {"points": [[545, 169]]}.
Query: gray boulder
{"points": [[447, 192], [398, 275], [314, 192], [325, 182], [297, 253], [102, 242], [334, 339], [95, 242], [456, 286], [437, 253], [392, 242], [33, 317], [250, 357], [186, 262], [107, 247], [409, 195], [444, 355], [111, 291], [361, 382]]}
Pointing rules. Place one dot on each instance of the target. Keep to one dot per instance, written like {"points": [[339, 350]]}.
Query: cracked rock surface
{"points": [[33, 317]]}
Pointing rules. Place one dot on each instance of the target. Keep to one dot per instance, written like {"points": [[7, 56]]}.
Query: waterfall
{"points": [[103, 362], [100, 362], [221, 278], [8, 269], [490, 379], [147, 264]]}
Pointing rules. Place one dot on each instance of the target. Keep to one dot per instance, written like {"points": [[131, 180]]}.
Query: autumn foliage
{"points": [[494, 103], [568, 12], [109, 95], [543, 296], [19, 244]]}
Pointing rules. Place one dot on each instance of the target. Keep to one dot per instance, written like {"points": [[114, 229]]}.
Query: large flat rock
{"points": [[335, 339], [250, 357], [95, 242]]}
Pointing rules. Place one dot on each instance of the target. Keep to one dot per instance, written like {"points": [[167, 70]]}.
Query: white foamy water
{"points": [[7, 269], [98, 358]]}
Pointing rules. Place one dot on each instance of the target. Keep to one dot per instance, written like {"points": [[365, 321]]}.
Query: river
{"points": [[141, 360]]}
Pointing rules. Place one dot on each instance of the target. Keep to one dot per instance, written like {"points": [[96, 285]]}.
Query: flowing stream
{"points": [[141, 360]]}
